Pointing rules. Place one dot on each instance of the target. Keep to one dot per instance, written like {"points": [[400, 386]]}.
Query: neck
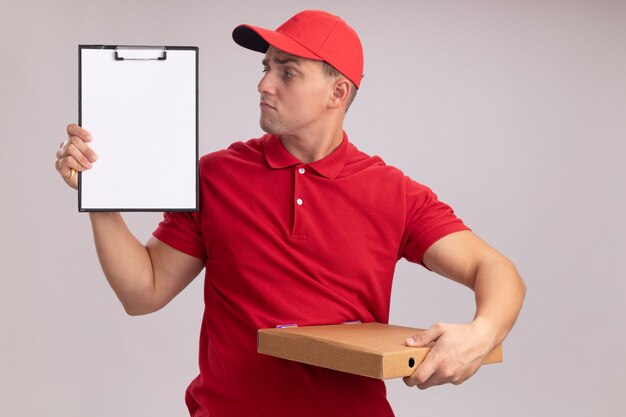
{"points": [[313, 146]]}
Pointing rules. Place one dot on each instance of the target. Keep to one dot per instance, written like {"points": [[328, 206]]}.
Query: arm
{"points": [[458, 349], [144, 278]]}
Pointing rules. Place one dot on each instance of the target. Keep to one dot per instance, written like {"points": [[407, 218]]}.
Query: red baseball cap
{"points": [[312, 34]]}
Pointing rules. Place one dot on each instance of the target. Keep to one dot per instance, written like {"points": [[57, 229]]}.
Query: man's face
{"points": [[294, 94]]}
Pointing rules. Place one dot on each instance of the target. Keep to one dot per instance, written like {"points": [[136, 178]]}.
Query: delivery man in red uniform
{"points": [[299, 226]]}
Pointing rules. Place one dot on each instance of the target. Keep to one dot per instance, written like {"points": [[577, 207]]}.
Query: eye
{"points": [[288, 74]]}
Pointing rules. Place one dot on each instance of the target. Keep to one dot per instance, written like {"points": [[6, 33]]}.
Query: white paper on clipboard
{"points": [[140, 104]]}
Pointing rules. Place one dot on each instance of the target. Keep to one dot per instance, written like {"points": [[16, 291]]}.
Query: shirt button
{"points": [[301, 170], [299, 201]]}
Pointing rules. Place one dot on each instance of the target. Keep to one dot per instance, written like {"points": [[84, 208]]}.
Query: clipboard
{"points": [[140, 103]]}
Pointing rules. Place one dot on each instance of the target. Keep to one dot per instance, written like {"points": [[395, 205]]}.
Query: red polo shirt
{"points": [[285, 242]]}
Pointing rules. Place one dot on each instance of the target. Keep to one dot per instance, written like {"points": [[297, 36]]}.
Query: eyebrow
{"points": [[280, 61]]}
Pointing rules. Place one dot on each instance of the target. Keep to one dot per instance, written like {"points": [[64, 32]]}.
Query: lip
{"points": [[264, 105]]}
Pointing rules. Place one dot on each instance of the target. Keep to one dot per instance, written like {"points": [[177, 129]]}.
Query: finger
{"points": [[440, 368], [64, 165], [78, 149], [84, 148], [423, 377], [79, 157], [67, 166], [447, 372], [75, 130], [425, 374], [63, 152], [425, 337]]}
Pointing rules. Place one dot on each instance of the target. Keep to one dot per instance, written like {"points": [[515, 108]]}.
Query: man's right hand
{"points": [[74, 155]]}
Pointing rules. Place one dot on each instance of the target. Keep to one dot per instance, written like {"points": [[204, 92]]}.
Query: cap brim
{"points": [[259, 39]]}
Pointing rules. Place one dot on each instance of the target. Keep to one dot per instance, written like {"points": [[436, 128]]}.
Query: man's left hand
{"points": [[457, 351]]}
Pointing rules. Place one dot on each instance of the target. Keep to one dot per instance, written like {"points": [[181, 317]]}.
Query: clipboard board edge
{"points": [[197, 127]]}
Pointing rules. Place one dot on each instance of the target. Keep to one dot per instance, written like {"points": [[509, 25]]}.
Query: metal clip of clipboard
{"points": [[140, 53]]}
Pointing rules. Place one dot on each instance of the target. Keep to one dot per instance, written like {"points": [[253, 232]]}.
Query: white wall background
{"points": [[513, 111]]}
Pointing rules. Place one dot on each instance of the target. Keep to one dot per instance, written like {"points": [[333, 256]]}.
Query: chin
{"points": [[267, 128]]}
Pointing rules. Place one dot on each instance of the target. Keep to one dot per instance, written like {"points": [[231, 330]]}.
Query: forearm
{"points": [[499, 292], [125, 261], [459, 349]]}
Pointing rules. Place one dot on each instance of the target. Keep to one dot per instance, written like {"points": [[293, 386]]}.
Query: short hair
{"points": [[331, 71]]}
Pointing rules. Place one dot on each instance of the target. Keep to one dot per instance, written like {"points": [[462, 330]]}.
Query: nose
{"points": [[265, 85]]}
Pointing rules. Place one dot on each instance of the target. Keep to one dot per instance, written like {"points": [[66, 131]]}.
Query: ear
{"points": [[340, 93]]}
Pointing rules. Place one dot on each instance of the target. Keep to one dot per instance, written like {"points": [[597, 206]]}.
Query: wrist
{"points": [[486, 328]]}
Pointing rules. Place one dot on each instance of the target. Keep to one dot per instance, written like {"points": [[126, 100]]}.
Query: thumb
{"points": [[424, 337]]}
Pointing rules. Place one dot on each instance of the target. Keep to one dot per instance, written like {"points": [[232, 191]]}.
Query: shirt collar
{"points": [[278, 157]]}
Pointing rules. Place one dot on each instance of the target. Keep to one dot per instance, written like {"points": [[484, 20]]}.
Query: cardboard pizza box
{"points": [[375, 350]]}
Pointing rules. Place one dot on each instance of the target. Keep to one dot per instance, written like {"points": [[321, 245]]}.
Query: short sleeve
{"points": [[181, 230], [427, 221]]}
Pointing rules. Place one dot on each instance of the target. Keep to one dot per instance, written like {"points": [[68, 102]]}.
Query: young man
{"points": [[299, 226]]}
